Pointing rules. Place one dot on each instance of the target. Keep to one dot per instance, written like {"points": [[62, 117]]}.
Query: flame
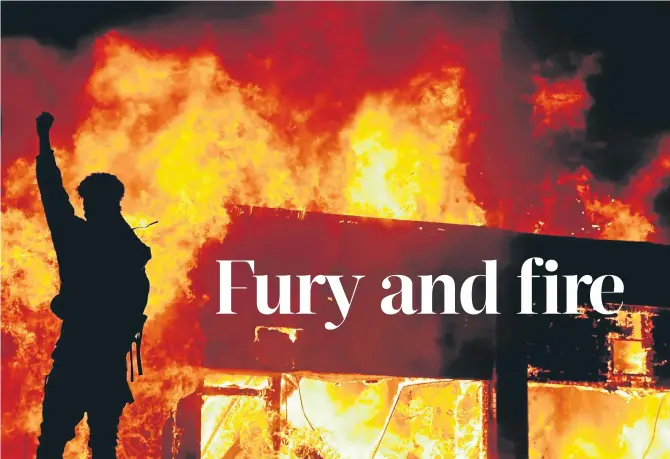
{"points": [[189, 134], [401, 156], [581, 416], [346, 417], [630, 351], [559, 105], [292, 333]]}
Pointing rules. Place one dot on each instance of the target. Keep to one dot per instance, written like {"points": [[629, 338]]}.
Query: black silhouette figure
{"points": [[103, 293]]}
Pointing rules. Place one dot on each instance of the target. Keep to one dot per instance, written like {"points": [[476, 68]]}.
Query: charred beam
{"points": [[273, 398], [188, 426], [510, 378]]}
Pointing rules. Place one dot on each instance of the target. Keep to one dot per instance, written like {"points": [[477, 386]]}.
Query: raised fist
{"points": [[44, 122]]}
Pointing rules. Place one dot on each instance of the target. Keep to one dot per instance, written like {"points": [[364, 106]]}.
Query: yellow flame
{"points": [[350, 418], [593, 423]]}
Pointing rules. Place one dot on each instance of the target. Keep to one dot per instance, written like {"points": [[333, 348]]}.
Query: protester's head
{"points": [[102, 194]]}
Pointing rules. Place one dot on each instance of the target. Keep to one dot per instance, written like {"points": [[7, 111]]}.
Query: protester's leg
{"points": [[62, 410], [103, 422]]}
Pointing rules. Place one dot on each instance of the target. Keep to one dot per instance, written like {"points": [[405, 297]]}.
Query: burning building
{"points": [[380, 110], [426, 385]]}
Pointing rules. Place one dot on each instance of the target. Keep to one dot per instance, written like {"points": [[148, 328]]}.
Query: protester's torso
{"points": [[92, 271]]}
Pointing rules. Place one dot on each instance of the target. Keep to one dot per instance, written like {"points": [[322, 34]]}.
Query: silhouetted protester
{"points": [[103, 293]]}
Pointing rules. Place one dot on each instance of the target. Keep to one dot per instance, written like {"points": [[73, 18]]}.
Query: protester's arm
{"points": [[55, 200]]}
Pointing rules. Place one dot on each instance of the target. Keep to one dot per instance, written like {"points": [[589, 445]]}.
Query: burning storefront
{"points": [[425, 385]]}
